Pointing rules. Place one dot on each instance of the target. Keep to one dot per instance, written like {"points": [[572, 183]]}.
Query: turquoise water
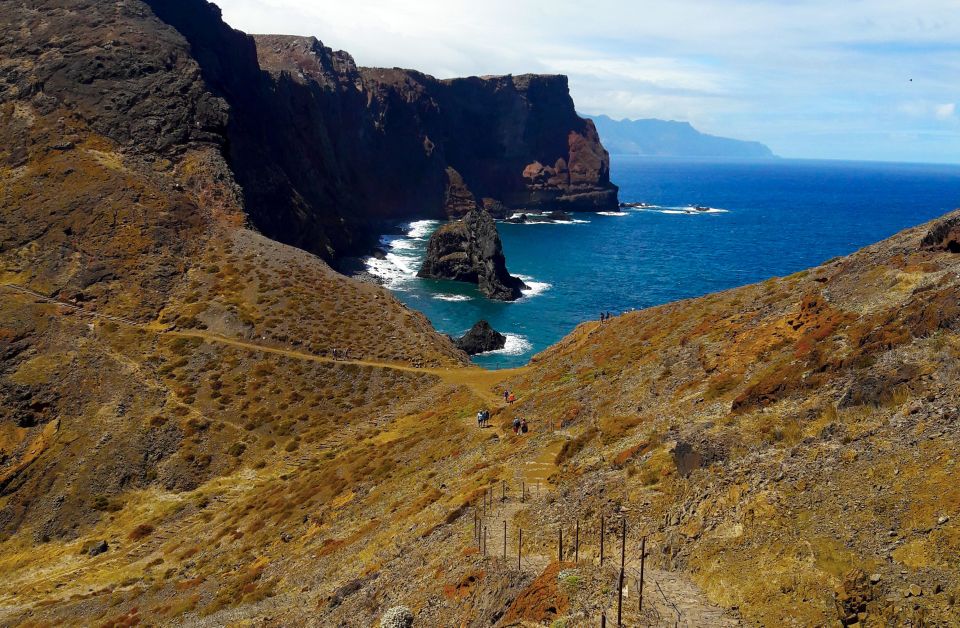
{"points": [[771, 218]]}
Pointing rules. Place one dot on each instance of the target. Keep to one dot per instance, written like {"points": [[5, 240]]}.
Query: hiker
{"points": [[486, 417], [506, 394], [523, 426], [480, 418], [511, 398], [516, 425]]}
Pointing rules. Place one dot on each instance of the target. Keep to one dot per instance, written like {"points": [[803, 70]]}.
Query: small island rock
{"points": [[480, 339], [470, 250]]}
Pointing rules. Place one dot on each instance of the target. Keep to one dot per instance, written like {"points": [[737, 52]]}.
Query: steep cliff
{"points": [[469, 250], [413, 142]]}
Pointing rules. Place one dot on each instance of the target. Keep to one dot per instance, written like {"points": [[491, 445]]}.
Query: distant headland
{"points": [[669, 138]]}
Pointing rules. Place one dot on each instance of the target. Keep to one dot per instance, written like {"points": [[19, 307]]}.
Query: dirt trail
{"points": [[669, 599], [480, 381]]}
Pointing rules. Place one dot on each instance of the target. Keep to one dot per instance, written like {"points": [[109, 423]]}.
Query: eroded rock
{"points": [[480, 339], [470, 250]]}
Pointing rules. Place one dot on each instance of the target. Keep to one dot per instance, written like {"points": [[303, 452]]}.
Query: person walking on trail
{"points": [[506, 394], [523, 426], [486, 418], [479, 418], [511, 398], [516, 425]]}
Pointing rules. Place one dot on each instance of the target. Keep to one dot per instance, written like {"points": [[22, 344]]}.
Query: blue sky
{"points": [[810, 78]]}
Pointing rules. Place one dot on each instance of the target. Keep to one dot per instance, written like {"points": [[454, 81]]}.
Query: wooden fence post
{"points": [[623, 546], [601, 540], [620, 600], [523, 491], [603, 620], [643, 558], [484, 541], [576, 545], [519, 547], [505, 540]]}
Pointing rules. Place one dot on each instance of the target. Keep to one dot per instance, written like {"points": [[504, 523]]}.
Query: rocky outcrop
{"points": [[458, 200], [943, 236], [480, 339], [470, 250]]}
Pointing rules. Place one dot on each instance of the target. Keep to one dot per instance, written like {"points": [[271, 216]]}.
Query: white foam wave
{"points": [[420, 229], [611, 213], [407, 265], [391, 275], [689, 211], [575, 221], [533, 288], [403, 244], [451, 297], [515, 345]]}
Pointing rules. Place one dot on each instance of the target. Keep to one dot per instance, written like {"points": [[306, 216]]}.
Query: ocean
{"points": [[767, 218]]}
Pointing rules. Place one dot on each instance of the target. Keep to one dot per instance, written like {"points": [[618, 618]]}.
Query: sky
{"points": [[827, 79]]}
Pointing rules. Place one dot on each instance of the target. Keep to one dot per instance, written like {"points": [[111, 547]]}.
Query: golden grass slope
{"points": [[790, 445]]}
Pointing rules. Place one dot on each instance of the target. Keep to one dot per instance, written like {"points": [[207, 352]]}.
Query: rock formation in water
{"points": [[480, 339], [470, 250]]}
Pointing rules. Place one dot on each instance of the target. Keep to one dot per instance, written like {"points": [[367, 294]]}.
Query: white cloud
{"points": [[945, 111]]}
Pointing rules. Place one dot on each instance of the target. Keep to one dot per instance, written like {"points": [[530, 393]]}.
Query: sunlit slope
{"points": [[775, 438]]}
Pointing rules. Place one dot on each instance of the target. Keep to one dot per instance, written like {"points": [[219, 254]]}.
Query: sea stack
{"points": [[480, 339], [470, 250]]}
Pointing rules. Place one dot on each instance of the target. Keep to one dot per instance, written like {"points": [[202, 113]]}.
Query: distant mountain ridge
{"points": [[669, 138]]}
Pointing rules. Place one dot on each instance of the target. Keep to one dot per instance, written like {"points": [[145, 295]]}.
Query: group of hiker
{"points": [[605, 316], [483, 418], [520, 425], [508, 396], [341, 354]]}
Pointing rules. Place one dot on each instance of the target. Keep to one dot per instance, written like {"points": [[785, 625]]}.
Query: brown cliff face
{"points": [[417, 146]]}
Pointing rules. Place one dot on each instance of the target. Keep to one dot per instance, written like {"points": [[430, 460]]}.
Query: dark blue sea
{"points": [[767, 218]]}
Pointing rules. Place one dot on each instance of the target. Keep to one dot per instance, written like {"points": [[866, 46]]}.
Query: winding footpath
{"points": [[671, 599]]}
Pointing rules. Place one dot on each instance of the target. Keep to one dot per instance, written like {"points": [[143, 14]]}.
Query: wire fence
{"points": [[496, 536]]}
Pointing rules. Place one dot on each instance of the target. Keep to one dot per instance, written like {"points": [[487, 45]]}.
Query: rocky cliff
{"points": [[325, 151], [469, 250], [422, 146]]}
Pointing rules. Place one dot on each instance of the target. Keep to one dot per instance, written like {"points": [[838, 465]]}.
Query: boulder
{"points": [[943, 236], [98, 548], [480, 339], [397, 617], [495, 207], [470, 250], [559, 216]]}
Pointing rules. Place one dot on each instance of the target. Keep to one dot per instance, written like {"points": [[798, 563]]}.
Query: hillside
{"points": [[668, 138], [202, 425], [806, 424]]}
